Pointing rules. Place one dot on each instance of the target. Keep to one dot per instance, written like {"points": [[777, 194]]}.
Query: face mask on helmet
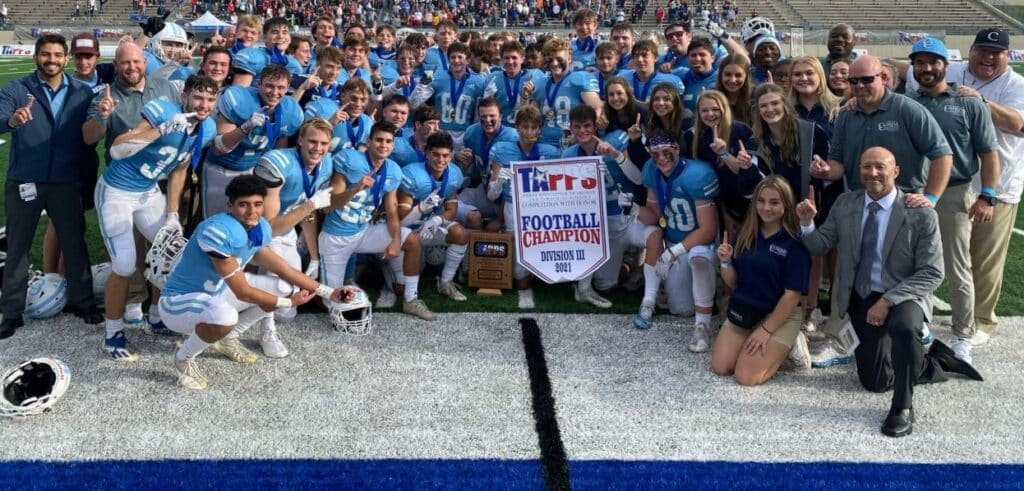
{"points": [[169, 44], [755, 27], [353, 317], [33, 387]]}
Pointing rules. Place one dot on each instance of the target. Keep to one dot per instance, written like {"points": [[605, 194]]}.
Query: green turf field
{"points": [[557, 298]]}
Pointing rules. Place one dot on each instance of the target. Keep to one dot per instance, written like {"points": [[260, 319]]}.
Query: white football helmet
{"points": [[756, 26], [100, 273], [47, 295], [435, 255], [169, 44], [163, 256], [353, 317], [33, 387]]}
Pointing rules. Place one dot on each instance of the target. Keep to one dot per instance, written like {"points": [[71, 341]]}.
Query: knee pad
{"points": [[122, 254], [704, 285]]}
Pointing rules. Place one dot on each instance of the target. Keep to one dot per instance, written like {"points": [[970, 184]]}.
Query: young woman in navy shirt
{"points": [[767, 270]]}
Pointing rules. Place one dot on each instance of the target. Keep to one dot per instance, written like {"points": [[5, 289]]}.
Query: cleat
{"points": [[645, 319], [271, 343], [526, 299], [418, 308], [799, 356], [231, 347], [591, 297], [450, 290], [160, 329], [188, 374], [701, 340], [133, 315], [829, 357], [117, 347]]}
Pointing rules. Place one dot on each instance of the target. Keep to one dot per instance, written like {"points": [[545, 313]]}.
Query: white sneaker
{"points": [[272, 345], [701, 340], [418, 308], [800, 355], [526, 299], [450, 290], [232, 348], [829, 356], [133, 315], [962, 349], [980, 338], [386, 300], [188, 374], [591, 297]]}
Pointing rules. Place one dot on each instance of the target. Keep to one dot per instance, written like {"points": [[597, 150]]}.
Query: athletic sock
{"points": [[412, 287], [701, 318], [154, 314], [114, 326], [452, 259], [191, 347], [651, 283]]}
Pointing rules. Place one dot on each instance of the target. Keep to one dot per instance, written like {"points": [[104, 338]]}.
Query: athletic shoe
{"points": [[980, 338], [828, 356], [161, 329], [701, 338], [799, 355], [591, 297], [450, 290], [645, 319], [386, 300], [526, 299], [188, 374], [926, 335], [133, 315], [962, 349], [418, 308], [231, 347], [117, 347], [272, 345]]}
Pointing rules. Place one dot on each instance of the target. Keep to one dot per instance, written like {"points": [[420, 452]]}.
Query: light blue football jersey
{"points": [[435, 60], [457, 113], [345, 76], [695, 181], [254, 60], [556, 99], [221, 234], [642, 90], [287, 164], [475, 141], [695, 84], [505, 153], [353, 165], [405, 151], [583, 54], [141, 171], [509, 90], [419, 183], [615, 178], [348, 135], [236, 104]]}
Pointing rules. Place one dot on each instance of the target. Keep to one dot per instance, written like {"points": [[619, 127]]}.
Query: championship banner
{"points": [[560, 217]]}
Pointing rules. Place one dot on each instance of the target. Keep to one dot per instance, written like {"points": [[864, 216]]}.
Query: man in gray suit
{"points": [[890, 261]]}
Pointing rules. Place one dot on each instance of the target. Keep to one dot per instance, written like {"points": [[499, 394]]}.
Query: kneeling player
{"points": [[680, 198], [365, 184], [427, 203], [207, 295]]}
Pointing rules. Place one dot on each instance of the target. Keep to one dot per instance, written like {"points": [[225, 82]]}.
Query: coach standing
{"points": [[45, 113]]}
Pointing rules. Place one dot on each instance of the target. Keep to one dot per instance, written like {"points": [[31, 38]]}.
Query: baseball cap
{"points": [[993, 37], [930, 45], [85, 43]]}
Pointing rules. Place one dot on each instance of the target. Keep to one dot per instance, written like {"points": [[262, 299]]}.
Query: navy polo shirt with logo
{"points": [[775, 264], [902, 126], [967, 123]]}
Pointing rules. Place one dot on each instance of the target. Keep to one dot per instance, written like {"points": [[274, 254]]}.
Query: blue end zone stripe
{"points": [[500, 474]]}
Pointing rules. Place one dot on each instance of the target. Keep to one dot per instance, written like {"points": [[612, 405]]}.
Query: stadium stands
{"points": [[949, 15]]}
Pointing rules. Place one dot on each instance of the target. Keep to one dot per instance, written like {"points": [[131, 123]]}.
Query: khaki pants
{"points": [[989, 244], [955, 229]]}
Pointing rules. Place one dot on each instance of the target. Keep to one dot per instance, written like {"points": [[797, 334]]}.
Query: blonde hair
{"points": [[790, 145], [724, 122], [829, 102], [752, 225]]}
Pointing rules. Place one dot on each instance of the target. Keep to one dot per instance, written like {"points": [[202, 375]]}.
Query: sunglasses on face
{"points": [[675, 34], [865, 80]]}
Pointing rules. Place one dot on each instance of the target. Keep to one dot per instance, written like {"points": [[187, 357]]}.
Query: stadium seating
{"points": [[949, 15]]}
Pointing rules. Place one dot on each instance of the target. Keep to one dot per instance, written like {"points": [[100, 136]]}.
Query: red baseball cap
{"points": [[85, 43]]}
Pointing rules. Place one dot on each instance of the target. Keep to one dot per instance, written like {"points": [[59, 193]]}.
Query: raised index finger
{"points": [[810, 194], [725, 237], [31, 99], [742, 148], [107, 93]]}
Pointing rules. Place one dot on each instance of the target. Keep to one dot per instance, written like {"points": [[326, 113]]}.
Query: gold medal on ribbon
{"points": [[662, 222], [550, 113], [452, 114], [195, 178]]}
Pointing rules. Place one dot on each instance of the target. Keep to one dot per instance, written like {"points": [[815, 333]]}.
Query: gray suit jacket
{"points": [[911, 252]]}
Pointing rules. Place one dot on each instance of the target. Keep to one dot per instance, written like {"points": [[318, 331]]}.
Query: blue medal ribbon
{"points": [[444, 59], [255, 235], [308, 180], [457, 92], [384, 54], [237, 46], [587, 45], [485, 154], [197, 147], [277, 57], [512, 91], [407, 90], [378, 181], [534, 153], [353, 137], [335, 43], [272, 128], [600, 85], [433, 183], [551, 95], [641, 92], [666, 188], [331, 94], [420, 156], [624, 61]]}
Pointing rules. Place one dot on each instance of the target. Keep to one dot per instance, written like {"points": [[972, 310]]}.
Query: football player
{"points": [[208, 296], [645, 77], [250, 62], [412, 148], [584, 22], [164, 144], [350, 121], [563, 90], [354, 65], [445, 35], [456, 92], [507, 84], [250, 121], [323, 83], [427, 204], [366, 185], [475, 158], [681, 200]]}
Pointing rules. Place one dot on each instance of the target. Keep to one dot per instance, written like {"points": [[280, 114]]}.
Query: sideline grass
{"points": [[549, 298]]}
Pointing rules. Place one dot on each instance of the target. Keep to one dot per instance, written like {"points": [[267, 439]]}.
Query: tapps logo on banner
{"points": [[560, 218]]}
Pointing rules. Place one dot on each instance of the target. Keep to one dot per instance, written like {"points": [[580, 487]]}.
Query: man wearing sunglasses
{"points": [[882, 118]]}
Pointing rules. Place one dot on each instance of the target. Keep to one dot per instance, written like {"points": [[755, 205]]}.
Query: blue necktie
{"points": [[868, 242]]}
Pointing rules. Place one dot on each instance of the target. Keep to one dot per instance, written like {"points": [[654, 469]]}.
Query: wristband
{"points": [[727, 264], [621, 160], [987, 191], [725, 155], [324, 291], [99, 117], [284, 303], [931, 197], [766, 330]]}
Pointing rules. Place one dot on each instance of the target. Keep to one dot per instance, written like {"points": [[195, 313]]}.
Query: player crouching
{"points": [[207, 294], [427, 203]]}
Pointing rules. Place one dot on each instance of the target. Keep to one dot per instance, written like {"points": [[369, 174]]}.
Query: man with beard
{"points": [[841, 41], [44, 173], [967, 124]]}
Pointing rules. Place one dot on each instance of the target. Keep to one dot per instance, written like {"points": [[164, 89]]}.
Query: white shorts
{"points": [[215, 183], [284, 246], [182, 313], [623, 232], [335, 250], [119, 212], [680, 281], [475, 199]]}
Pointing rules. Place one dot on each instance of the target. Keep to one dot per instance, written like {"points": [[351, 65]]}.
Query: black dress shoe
{"points": [[947, 359], [900, 422], [8, 326], [89, 315]]}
